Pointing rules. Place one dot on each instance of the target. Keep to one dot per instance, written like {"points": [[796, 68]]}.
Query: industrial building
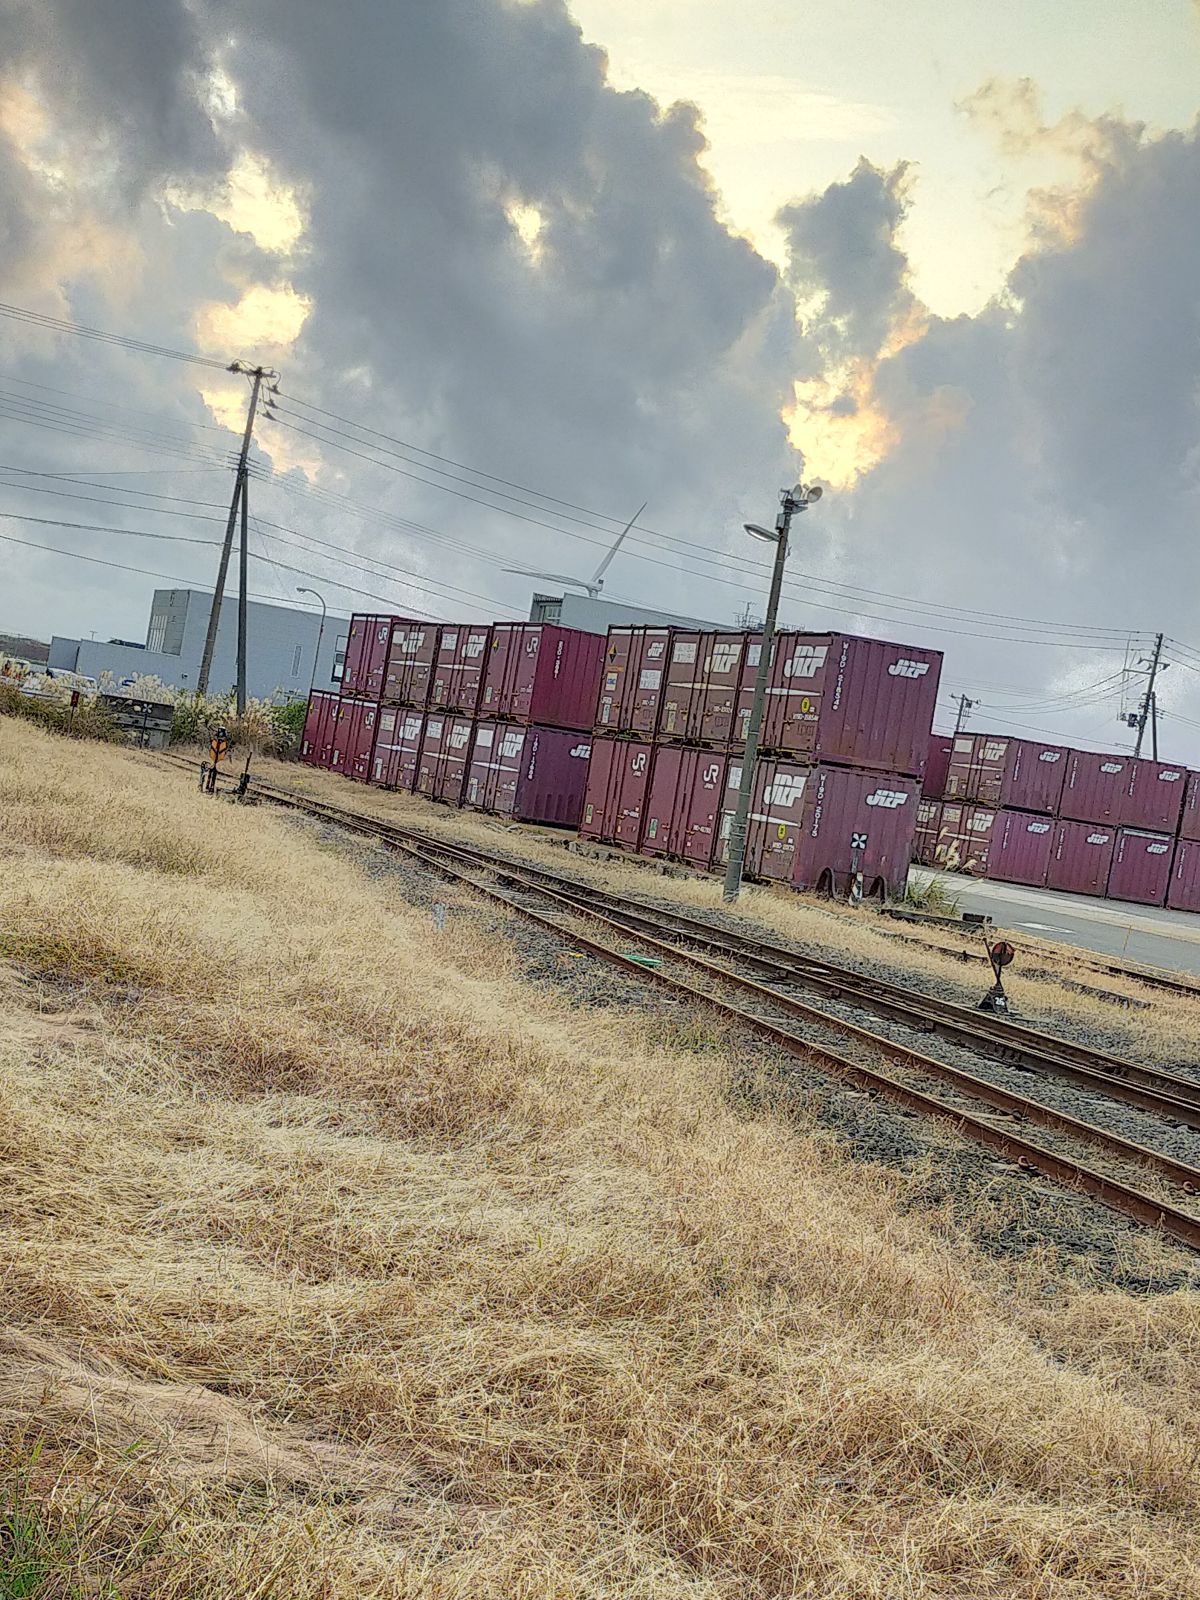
{"points": [[280, 648]]}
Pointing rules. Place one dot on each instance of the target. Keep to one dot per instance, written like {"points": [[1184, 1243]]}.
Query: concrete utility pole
{"points": [[791, 501], [964, 706], [243, 584], [1149, 711], [256, 375]]}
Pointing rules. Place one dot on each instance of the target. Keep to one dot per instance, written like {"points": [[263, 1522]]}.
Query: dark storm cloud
{"points": [[125, 78], [843, 255]]}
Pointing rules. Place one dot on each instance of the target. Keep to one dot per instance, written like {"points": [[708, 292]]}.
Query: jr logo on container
{"points": [[904, 668], [889, 799]]}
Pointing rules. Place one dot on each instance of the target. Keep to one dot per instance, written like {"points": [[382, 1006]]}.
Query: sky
{"points": [[523, 265]]}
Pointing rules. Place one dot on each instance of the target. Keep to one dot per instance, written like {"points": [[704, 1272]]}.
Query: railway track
{"points": [[752, 984]]}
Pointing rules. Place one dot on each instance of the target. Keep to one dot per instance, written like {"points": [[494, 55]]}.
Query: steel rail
{"points": [[1116, 1193], [1165, 1094]]}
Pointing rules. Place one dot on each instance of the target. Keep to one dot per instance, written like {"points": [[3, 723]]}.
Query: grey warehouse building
{"points": [[280, 644]]}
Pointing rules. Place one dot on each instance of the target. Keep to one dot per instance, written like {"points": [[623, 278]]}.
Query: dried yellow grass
{"points": [[338, 1262], [1170, 1029]]}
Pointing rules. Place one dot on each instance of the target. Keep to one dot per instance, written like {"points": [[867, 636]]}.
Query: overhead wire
{"points": [[42, 319]]}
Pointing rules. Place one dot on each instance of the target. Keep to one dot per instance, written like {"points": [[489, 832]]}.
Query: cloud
{"points": [[843, 255]]}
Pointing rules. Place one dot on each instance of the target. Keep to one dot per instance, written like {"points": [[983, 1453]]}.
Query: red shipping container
{"points": [[1020, 774], [705, 678], [367, 651], [458, 666], [316, 742], [531, 774], [445, 752], [929, 820], [1154, 798], [937, 765], [683, 804], [409, 672], [1095, 787], [1081, 857], [618, 777], [1141, 867], [851, 701], [809, 826], [353, 738], [1019, 848], [397, 753], [537, 672], [964, 837], [1189, 821], [631, 682], [1183, 892]]}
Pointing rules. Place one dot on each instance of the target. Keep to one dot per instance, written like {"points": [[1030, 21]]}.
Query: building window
{"points": [[296, 662], [339, 658]]}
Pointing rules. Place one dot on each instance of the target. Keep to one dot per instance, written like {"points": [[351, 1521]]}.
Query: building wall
{"points": [[279, 651], [598, 616]]}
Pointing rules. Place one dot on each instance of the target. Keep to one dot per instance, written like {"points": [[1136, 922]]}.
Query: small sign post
{"points": [[1000, 955], [858, 843]]}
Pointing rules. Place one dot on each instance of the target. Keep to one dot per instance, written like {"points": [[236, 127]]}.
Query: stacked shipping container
{"points": [[844, 745], [411, 714], [636, 739], [1112, 827]]}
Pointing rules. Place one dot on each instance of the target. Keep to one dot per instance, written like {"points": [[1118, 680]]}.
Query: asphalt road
{"points": [[1148, 934]]}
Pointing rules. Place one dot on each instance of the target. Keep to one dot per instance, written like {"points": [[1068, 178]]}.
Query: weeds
{"points": [[337, 1263]]}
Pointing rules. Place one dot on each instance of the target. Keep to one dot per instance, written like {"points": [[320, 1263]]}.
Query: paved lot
{"points": [[1112, 927]]}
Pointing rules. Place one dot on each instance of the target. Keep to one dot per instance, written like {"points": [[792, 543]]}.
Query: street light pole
{"points": [[791, 501], [320, 636]]}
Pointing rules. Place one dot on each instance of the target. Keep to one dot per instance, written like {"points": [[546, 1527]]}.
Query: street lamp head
{"points": [[771, 535]]}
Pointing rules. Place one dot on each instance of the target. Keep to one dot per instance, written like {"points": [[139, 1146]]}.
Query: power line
{"points": [[41, 319], [706, 551]]}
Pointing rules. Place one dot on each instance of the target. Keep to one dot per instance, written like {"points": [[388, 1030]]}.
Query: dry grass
{"points": [[1170, 1029], [337, 1263]]}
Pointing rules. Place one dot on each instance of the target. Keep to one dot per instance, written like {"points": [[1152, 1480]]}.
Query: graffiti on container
{"points": [[904, 668]]}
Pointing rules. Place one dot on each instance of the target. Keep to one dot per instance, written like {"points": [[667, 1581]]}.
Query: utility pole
{"points": [[243, 584], [256, 375], [1149, 705], [791, 501], [964, 706]]}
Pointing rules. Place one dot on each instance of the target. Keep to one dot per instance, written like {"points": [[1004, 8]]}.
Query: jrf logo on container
{"points": [[805, 661], [888, 798], [784, 790], [904, 668]]}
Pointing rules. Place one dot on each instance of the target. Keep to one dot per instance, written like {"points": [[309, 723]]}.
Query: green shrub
{"points": [[85, 721]]}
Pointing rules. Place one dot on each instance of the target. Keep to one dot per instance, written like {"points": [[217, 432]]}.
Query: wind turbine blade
{"points": [[598, 575], [548, 577]]}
